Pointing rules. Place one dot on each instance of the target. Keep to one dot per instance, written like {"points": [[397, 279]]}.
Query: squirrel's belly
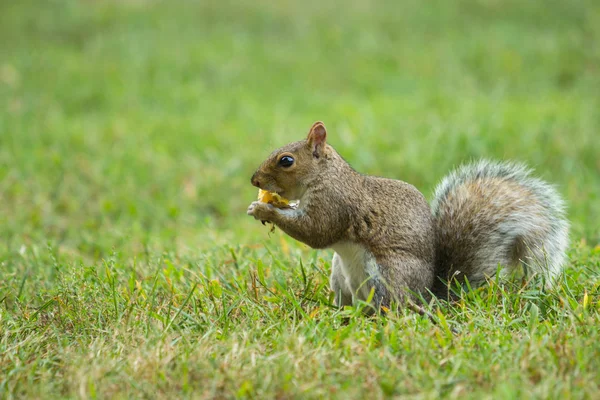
{"points": [[358, 266]]}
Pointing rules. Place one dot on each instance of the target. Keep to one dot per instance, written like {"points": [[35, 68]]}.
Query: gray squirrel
{"points": [[390, 245]]}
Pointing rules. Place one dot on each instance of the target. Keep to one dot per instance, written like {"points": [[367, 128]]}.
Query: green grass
{"points": [[128, 134]]}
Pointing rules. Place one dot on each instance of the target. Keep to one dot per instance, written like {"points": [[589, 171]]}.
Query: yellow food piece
{"points": [[272, 198]]}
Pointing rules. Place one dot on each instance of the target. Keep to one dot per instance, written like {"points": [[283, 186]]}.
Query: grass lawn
{"points": [[128, 134]]}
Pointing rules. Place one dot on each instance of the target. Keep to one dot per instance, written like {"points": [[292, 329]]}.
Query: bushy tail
{"points": [[491, 214]]}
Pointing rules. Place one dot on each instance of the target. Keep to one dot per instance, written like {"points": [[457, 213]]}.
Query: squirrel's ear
{"points": [[316, 138]]}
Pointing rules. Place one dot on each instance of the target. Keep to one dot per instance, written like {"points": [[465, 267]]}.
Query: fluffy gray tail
{"points": [[491, 214]]}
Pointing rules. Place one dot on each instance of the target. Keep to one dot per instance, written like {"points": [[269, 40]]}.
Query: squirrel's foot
{"points": [[261, 211]]}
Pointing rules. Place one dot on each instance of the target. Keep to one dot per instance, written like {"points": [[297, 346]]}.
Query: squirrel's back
{"points": [[490, 214]]}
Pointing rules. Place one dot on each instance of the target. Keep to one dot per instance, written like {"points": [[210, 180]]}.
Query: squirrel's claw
{"points": [[260, 211], [251, 208]]}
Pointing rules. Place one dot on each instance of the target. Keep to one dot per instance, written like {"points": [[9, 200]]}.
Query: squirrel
{"points": [[391, 245]]}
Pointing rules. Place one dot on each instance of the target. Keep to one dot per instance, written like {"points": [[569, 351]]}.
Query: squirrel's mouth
{"points": [[282, 194], [273, 189]]}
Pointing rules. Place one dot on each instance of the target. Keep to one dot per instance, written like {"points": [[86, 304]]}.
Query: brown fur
{"points": [[484, 215], [390, 218]]}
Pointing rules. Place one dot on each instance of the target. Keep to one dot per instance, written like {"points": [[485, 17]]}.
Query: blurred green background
{"points": [[128, 134], [132, 123]]}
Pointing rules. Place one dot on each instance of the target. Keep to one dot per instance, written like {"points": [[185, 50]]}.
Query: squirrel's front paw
{"points": [[261, 211]]}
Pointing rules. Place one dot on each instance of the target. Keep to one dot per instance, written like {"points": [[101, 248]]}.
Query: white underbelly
{"points": [[358, 267]]}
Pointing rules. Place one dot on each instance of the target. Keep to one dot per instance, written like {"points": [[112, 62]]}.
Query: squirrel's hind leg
{"points": [[400, 279]]}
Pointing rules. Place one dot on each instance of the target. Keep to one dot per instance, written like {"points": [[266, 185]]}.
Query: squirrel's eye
{"points": [[286, 161]]}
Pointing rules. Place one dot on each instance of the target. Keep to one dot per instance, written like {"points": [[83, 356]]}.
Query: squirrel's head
{"points": [[289, 170]]}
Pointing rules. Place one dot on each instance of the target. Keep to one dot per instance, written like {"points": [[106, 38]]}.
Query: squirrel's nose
{"points": [[254, 180]]}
